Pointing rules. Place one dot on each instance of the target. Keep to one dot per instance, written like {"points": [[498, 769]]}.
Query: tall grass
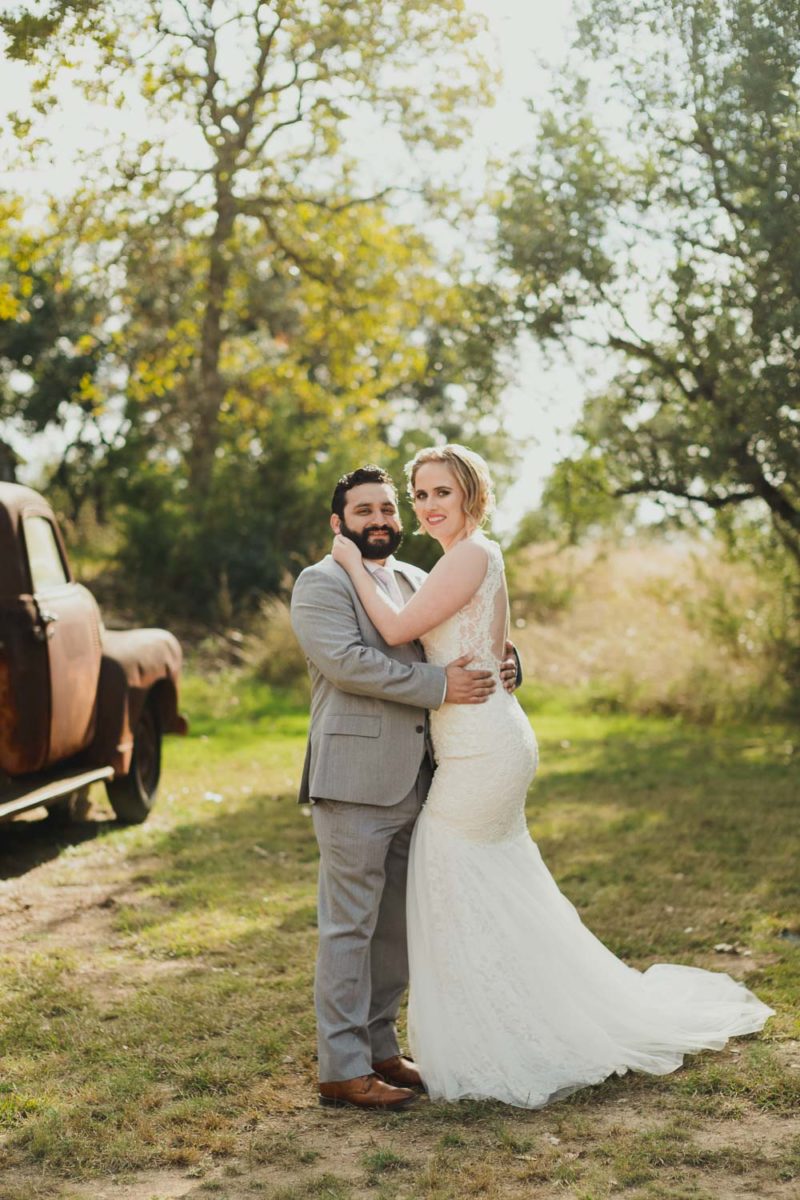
{"points": [[652, 627], [272, 651]]}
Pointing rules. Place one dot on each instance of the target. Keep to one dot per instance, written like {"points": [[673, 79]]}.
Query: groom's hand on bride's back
{"points": [[465, 686]]}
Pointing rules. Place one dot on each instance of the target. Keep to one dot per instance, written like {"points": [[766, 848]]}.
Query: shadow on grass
{"points": [[668, 846], [29, 843], [173, 1030], [667, 843], [697, 820]]}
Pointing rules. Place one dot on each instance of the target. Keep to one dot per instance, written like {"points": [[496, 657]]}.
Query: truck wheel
{"points": [[133, 795], [74, 807]]}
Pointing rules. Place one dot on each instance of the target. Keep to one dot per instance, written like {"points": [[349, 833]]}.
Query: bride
{"points": [[511, 997]]}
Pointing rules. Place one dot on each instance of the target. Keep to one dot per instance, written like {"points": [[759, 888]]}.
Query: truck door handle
{"points": [[46, 619]]}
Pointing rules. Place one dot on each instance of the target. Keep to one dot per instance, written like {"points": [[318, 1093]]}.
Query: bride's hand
{"points": [[346, 553]]}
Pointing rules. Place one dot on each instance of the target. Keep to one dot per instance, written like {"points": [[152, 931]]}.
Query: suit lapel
{"points": [[407, 578], [409, 583], [407, 588]]}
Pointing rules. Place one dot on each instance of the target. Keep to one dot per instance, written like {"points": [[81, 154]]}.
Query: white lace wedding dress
{"points": [[511, 996]]}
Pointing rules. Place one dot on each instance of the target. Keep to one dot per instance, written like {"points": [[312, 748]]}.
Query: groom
{"points": [[367, 772]]}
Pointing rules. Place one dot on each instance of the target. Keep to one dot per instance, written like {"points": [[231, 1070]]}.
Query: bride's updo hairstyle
{"points": [[469, 469]]}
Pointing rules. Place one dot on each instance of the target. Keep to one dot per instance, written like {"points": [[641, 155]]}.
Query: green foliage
{"points": [[672, 241], [577, 503], [771, 625], [51, 344], [270, 321], [542, 595], [28, 33], [272, 651]]}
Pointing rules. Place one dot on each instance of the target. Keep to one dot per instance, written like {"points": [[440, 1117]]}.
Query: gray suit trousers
{"points": [[362, 962]]}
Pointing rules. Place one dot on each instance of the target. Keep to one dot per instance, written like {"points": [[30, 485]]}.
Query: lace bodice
{"points": [[477, 745], [479, 628]]}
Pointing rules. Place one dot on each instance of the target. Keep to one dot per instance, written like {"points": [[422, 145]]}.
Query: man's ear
{"points": [[336, 524]]}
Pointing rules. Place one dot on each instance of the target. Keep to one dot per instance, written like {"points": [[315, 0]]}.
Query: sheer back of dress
{"points": [[499, 613]]}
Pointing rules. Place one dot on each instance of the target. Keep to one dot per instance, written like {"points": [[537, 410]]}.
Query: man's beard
{"points": [[381, 547]]}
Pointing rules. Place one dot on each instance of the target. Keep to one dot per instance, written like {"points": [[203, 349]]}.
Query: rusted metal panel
{"points": [[71, 692], [16, 503], [9, 715], [136, 663], [73, 650], [34, 790], [24, 689]]}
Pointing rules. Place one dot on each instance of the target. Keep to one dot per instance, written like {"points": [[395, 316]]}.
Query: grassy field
{"points": [[158, 1032], [660, 627]]}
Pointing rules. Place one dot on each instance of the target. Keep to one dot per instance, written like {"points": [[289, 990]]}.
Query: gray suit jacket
{"points": [[368, 728]]}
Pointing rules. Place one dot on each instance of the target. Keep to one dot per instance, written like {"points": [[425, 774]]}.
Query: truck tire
{"points": [[133, 795]]}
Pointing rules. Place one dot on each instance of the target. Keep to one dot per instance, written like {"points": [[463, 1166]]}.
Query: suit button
{"points": [[420, 729]]}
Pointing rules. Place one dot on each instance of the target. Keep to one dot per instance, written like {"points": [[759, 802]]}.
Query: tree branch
{"points": [[704, 142], [299, 116], [769, 493], [259, 74], [291, 252], [317, 202], [650, 354], [716, 502]]}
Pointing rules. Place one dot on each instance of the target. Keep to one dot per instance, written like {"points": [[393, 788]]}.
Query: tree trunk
{"points": [[211, 385], [8, 464], [785, 516]]}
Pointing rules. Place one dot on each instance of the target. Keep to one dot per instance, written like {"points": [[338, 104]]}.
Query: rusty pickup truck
{"points": [[79, 703]]}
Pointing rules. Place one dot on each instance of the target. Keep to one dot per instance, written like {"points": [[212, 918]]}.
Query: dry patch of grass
{"points": [[655, 627], [585, 1152]]}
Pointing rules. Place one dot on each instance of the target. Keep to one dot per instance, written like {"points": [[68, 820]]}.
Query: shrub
{"points": [[271, 649]]}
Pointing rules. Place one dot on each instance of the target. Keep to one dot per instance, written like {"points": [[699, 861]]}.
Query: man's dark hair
{"points": [[367, 474]]}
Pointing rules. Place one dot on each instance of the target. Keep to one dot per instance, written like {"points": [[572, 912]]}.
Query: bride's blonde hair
{"points": [[469, 469]]}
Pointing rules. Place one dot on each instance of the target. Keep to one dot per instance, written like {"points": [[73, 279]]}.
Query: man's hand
{"points": [[508, 668], [467, 687]]}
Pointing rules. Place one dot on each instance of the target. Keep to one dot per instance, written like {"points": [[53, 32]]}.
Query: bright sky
{"points": [[544, 402], [542, 405]]}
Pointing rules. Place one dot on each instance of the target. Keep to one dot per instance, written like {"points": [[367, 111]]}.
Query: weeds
{"points": [[165, 1020], [382, 1161], [658, 628]]}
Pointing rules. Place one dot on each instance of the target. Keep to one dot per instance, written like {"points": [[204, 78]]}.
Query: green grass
{"points": [[180, 1033], [383, 1161]]}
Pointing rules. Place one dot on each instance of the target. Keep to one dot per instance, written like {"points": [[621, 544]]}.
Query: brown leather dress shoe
{"points": [[366, 1091], [402, 1072]]}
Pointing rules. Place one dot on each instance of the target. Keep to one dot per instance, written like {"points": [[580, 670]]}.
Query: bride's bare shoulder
{"points": [[474, 546], [468, 557]]}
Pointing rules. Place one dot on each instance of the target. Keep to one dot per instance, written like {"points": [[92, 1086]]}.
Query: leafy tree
{"points": [[660, 221], [577, 503], [49, 348], [273, 319], [28, 32]]}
